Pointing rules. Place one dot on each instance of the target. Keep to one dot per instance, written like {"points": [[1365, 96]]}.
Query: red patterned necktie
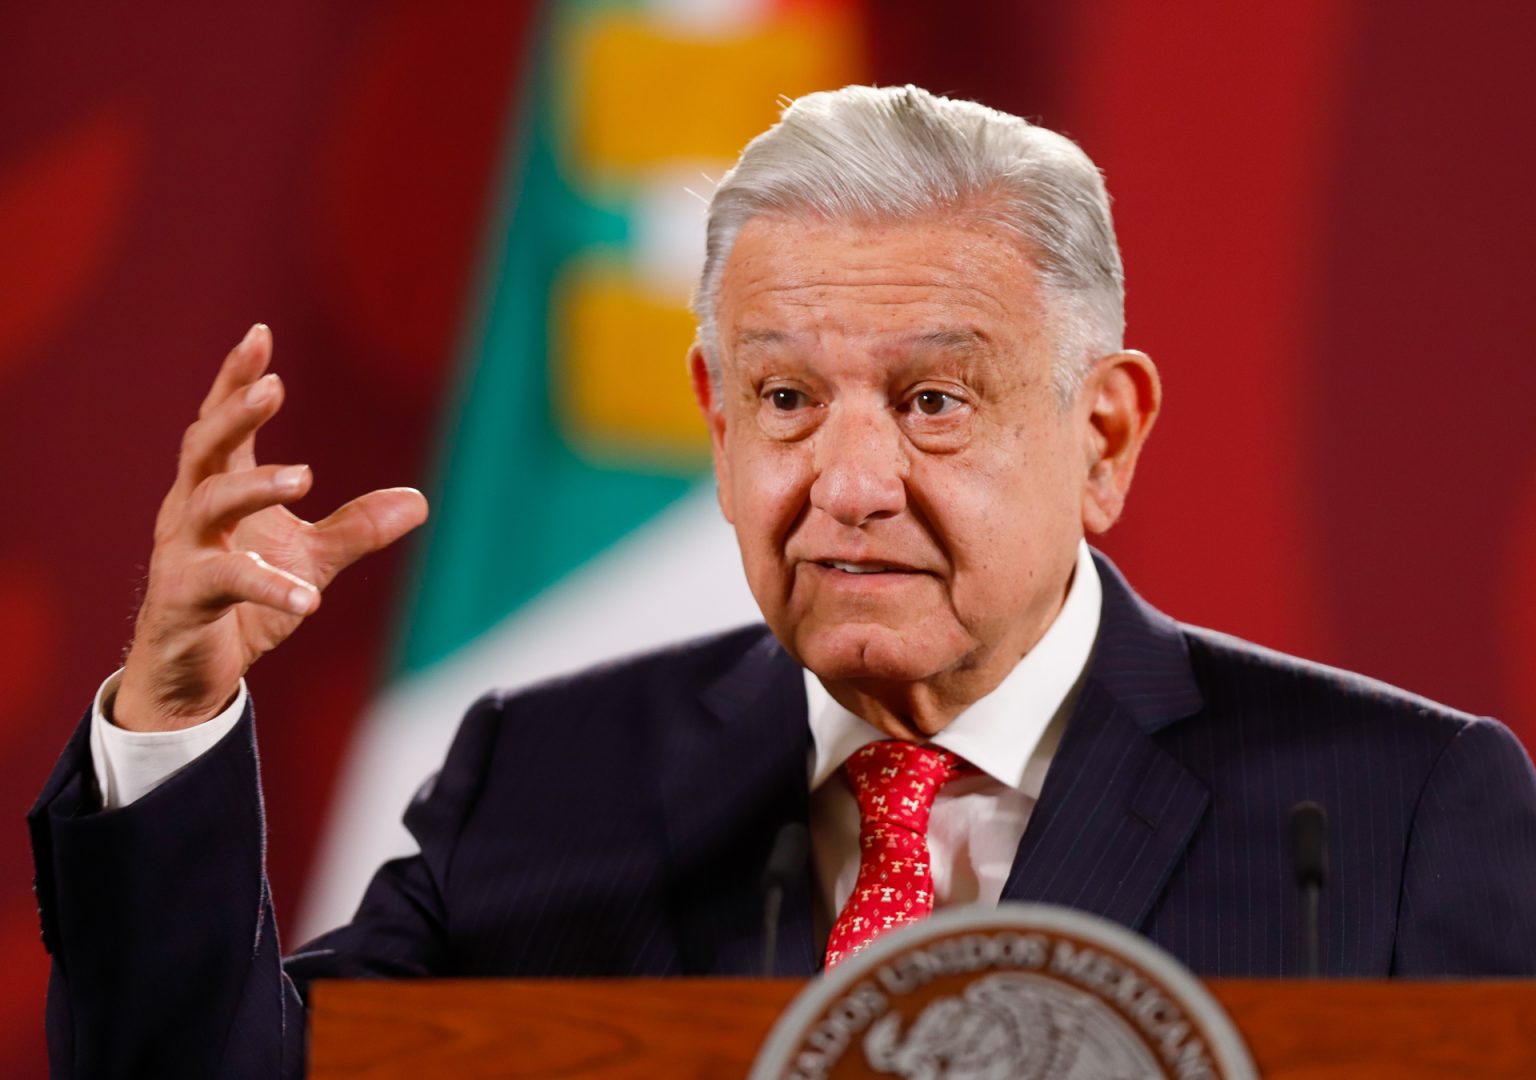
{"points": [[895, 784]]}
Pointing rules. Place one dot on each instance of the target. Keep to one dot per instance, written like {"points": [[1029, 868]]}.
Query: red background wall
{"points": [[1326, 225]]}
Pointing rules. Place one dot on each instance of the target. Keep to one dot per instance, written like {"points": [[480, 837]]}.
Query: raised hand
{"points": [[233, 572]]}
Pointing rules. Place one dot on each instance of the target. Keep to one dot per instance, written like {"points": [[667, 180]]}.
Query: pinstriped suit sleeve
{"points": [[159, 920], [158, 915], [1469, 878]]}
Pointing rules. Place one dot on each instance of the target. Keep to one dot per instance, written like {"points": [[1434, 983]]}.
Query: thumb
{"points": [[366, 524]]}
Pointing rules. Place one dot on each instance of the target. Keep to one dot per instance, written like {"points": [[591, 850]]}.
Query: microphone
{"points": [[785, 867], [1309, 852]]}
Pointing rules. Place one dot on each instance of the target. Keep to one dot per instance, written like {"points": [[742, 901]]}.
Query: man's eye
{"points": [[934, 402], [786, 400]]}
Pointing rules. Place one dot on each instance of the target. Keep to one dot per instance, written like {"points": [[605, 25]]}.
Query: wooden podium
{"points": [[712, 1028]]}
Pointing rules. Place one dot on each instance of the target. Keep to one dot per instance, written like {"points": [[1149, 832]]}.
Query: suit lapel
{"points": [[733, 776], [1114, 818], [1117, 811]]}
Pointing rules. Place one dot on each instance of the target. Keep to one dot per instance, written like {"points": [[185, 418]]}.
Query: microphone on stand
{"points": [[786, 865], [1309, 853]]}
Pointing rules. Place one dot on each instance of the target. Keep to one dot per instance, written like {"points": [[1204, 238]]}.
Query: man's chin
{"points": [[879, 653]]}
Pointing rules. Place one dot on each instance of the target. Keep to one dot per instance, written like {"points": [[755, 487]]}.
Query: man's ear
{"points": [[707, 394], [1121, 397]]}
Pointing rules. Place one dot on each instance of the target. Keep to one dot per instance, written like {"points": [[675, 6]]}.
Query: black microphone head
{"points": [[1309, 842], [787, 861]]}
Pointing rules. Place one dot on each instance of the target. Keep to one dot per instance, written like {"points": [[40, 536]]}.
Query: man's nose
{"points": [[860, 467]]}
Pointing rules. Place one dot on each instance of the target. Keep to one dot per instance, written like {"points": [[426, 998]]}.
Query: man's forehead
{"points": [[958, 341], [942, 276]]}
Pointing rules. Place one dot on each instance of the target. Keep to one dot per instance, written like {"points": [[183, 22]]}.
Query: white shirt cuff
{"points": [[131, 764]]}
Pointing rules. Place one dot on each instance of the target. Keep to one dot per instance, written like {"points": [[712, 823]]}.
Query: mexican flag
{"points": [[573, 516]]}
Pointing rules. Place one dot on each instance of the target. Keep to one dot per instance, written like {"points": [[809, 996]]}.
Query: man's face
{"points": [[906, 490]]}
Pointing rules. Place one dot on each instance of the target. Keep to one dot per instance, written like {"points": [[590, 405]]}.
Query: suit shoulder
{"points": [[605, 716], [1233, 670], [1269, 707], [680, 668]]}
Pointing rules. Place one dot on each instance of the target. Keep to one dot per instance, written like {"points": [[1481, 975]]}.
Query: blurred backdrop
{"points": [[473, 226]]}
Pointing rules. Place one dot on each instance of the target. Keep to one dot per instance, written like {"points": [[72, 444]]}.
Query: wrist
{"points": [[133, 709]]}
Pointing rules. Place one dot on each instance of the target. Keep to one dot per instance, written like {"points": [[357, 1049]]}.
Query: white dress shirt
{"points": [[977, 822], [131, 764]]}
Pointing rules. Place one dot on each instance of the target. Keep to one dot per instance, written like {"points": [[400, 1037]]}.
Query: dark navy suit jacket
{"points": [[617, 822]]}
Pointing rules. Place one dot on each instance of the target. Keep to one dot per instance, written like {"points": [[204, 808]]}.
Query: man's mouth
{"points": [[863, 568]]}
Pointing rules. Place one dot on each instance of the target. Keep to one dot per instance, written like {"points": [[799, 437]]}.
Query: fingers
{"points": [[233, 577], [210, 445], [368, 523], [221, 501], [242, 366]]}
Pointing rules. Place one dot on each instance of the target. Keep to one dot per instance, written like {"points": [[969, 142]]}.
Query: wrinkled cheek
{"points": [[769, 494], [769, 579], [995, 577]]}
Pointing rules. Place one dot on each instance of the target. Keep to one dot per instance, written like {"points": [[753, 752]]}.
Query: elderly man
{"points": [[910, 362]]}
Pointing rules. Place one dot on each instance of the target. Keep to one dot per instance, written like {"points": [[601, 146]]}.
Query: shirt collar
{"points": [[999, 733]]}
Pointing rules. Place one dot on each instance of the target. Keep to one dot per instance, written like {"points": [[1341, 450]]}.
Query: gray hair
{"points": [[876, 153]]}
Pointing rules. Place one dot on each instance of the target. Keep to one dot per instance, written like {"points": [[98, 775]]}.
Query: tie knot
{"points": [[896, 782]]}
